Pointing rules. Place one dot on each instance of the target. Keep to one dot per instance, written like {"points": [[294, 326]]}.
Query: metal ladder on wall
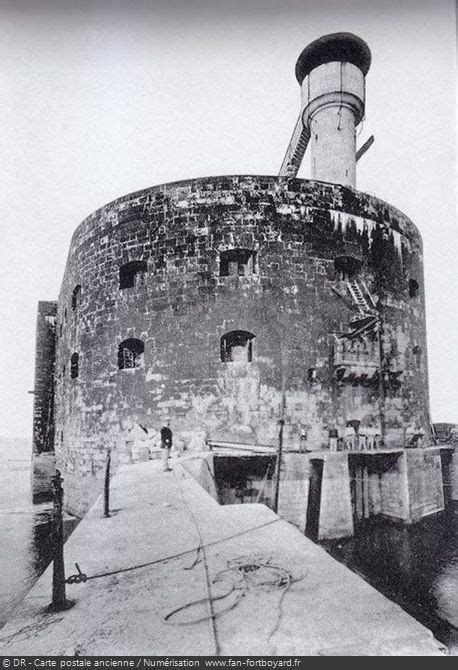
{"points": [[296, 150], [361, 297], [298, 145]]}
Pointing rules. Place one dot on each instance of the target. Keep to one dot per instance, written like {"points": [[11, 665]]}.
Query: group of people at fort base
{"points": [[353, 440]]}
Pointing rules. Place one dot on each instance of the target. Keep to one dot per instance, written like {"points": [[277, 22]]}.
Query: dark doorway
{"points": [[237, 346], [244, 479]]}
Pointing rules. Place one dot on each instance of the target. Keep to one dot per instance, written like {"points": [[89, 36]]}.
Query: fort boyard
{"points": [[240, 307]]}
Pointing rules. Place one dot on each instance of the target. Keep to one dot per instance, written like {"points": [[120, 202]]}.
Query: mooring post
{"points": [[59, 600], [279, 452], [107, 486]]}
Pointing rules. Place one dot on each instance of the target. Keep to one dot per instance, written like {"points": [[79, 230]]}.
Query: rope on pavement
{"points": [[243, 574], [81, 577]]}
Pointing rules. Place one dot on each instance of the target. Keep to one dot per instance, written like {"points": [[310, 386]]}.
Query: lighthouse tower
{"points": [[331, 72]]}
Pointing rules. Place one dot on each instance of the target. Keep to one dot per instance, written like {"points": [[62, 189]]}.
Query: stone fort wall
{"points": [[236, 309], [43, 401]]}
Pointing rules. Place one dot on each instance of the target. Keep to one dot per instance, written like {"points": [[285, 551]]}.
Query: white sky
{"points": [[102, 98]]}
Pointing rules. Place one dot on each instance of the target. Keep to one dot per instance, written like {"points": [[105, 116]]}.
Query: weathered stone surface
{"points": [[293, 490], [454, 477], [43, 406], [289, 295], [336, 518], [43, 469], [424, 474]]}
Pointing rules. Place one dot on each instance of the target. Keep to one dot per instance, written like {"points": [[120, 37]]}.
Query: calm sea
{"points": [[416, 566]]}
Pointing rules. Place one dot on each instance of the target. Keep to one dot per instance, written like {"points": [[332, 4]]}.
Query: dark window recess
{"points": [[237, 346], [348, 261], [74, 365], [63, 371], [347, 267], [311, 375], [130, 354], [61, 435], [417, 353], [60, 330], [237, 262], [128, 273], [65, 315], [414, 288], [76, 296], [340, 374]]}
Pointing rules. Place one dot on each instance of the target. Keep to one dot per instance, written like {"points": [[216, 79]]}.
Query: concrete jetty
{"points": [[206, 585]]}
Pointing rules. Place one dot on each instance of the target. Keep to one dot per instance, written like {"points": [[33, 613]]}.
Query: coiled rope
{"points": [[254, 572], [81, 577]]}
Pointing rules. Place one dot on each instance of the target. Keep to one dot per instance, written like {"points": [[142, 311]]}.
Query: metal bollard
{"points": [[59, 600], [107, 486]]}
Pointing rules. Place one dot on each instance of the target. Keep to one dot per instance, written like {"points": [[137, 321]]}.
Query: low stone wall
{"points": [[80, 492], [454, 476], [403, 486], [394, 491], [336, 518], [201, 468], [294, 487], [424, 475]]}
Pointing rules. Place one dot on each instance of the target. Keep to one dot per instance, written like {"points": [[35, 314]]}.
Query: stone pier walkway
{"points": [[318, 607]]}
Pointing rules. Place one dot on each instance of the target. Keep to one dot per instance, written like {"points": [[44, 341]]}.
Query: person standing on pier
{"points": [[166, 445]]}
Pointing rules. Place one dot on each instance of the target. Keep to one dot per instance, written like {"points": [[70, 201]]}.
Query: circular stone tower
{"points": [[225, 303]]}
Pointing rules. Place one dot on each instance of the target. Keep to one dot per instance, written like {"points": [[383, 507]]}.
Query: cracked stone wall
{"points": [[293, 300]]}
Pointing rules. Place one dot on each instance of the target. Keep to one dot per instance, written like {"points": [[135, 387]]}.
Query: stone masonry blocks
{"points": [[290, 297]]}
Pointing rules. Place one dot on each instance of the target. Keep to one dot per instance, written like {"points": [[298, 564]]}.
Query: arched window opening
{"points": [[237, 347], [130, 354], [76, 296], [237, 262], [128, 273], [414, 288], [348, 260], [74, 365]]}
